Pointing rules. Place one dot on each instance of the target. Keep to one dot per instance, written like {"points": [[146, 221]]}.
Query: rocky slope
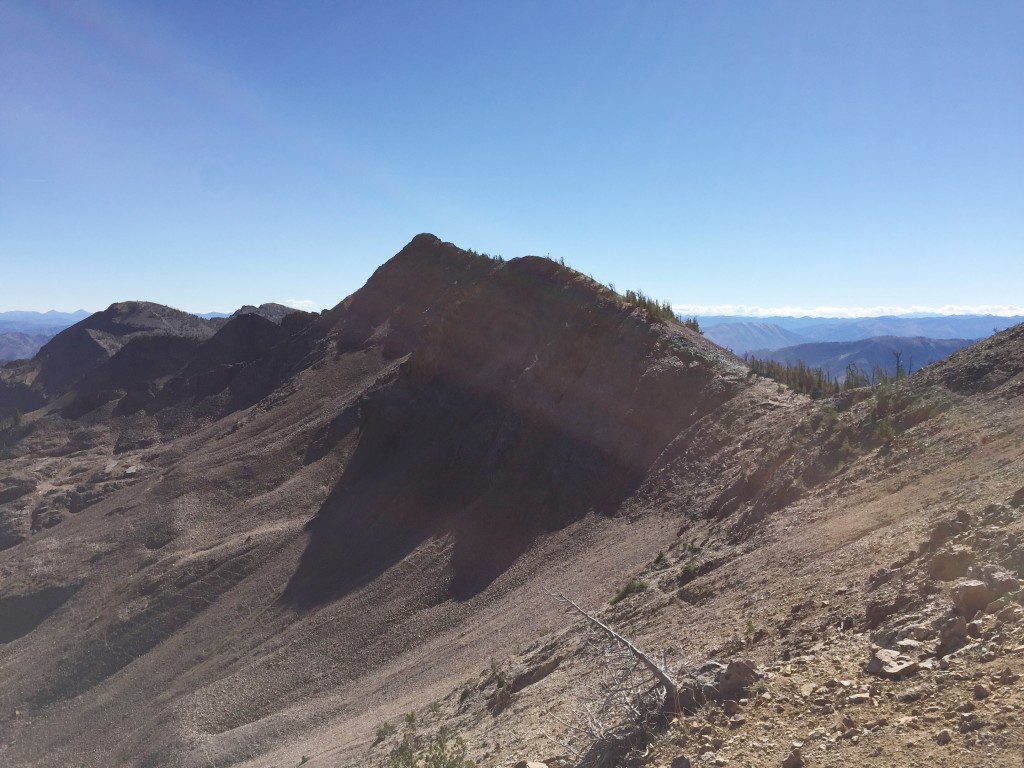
{"points": [[266, 544]]}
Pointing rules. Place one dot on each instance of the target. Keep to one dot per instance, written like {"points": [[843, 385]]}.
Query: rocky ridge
{"points": [[292, 543]]}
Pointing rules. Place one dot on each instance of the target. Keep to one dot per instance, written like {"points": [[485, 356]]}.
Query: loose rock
{"points": [[950, 563], [970, 596]]}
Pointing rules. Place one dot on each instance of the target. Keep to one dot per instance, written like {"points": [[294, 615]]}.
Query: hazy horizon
{"points": [[753, 312]]}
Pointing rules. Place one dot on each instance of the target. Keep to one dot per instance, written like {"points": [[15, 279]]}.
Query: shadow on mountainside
{"points": [[453, 463], [530, 397]]}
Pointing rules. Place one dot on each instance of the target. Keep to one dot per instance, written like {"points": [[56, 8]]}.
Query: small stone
{"points": [[943, 737], [915, 632], [911, 695], [1006, 677], [794, 760], [859, 698], [981, 691], [681, 762]]}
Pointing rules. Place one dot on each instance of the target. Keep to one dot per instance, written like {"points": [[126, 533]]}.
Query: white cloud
{"points": [[307, 305], [1002, 310]]}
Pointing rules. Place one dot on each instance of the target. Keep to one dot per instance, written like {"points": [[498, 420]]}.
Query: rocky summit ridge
{"points": [[286, 538]]}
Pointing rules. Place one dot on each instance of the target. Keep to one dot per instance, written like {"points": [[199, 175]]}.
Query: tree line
{"points": [[817, 382]]}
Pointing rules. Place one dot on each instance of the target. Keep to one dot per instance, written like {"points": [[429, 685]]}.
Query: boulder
{"points": [[889, 663], [737, 678], [950, 563], [715, 681], [970, 596]]}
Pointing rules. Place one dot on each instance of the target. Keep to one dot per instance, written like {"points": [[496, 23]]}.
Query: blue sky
{"points": [[790, 155]]}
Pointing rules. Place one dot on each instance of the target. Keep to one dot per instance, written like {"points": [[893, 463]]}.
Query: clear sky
{"points": [[210, 154]]}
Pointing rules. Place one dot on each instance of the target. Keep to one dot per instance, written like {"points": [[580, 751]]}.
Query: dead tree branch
{"points": [[659, 672]]}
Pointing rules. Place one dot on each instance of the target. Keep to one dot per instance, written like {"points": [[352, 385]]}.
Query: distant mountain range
{"points": [[22, 334], [51, 322], [744, 334], [833, 357]]}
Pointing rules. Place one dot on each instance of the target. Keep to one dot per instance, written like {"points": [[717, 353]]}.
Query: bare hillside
{"points": [[266, 541]]}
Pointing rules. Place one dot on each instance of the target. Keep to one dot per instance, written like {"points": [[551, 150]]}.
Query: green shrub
{"points": [[442, 751], [631, 587], [383, 731], [404, 755], [883, 429], [446, 752], [688, 572]]}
